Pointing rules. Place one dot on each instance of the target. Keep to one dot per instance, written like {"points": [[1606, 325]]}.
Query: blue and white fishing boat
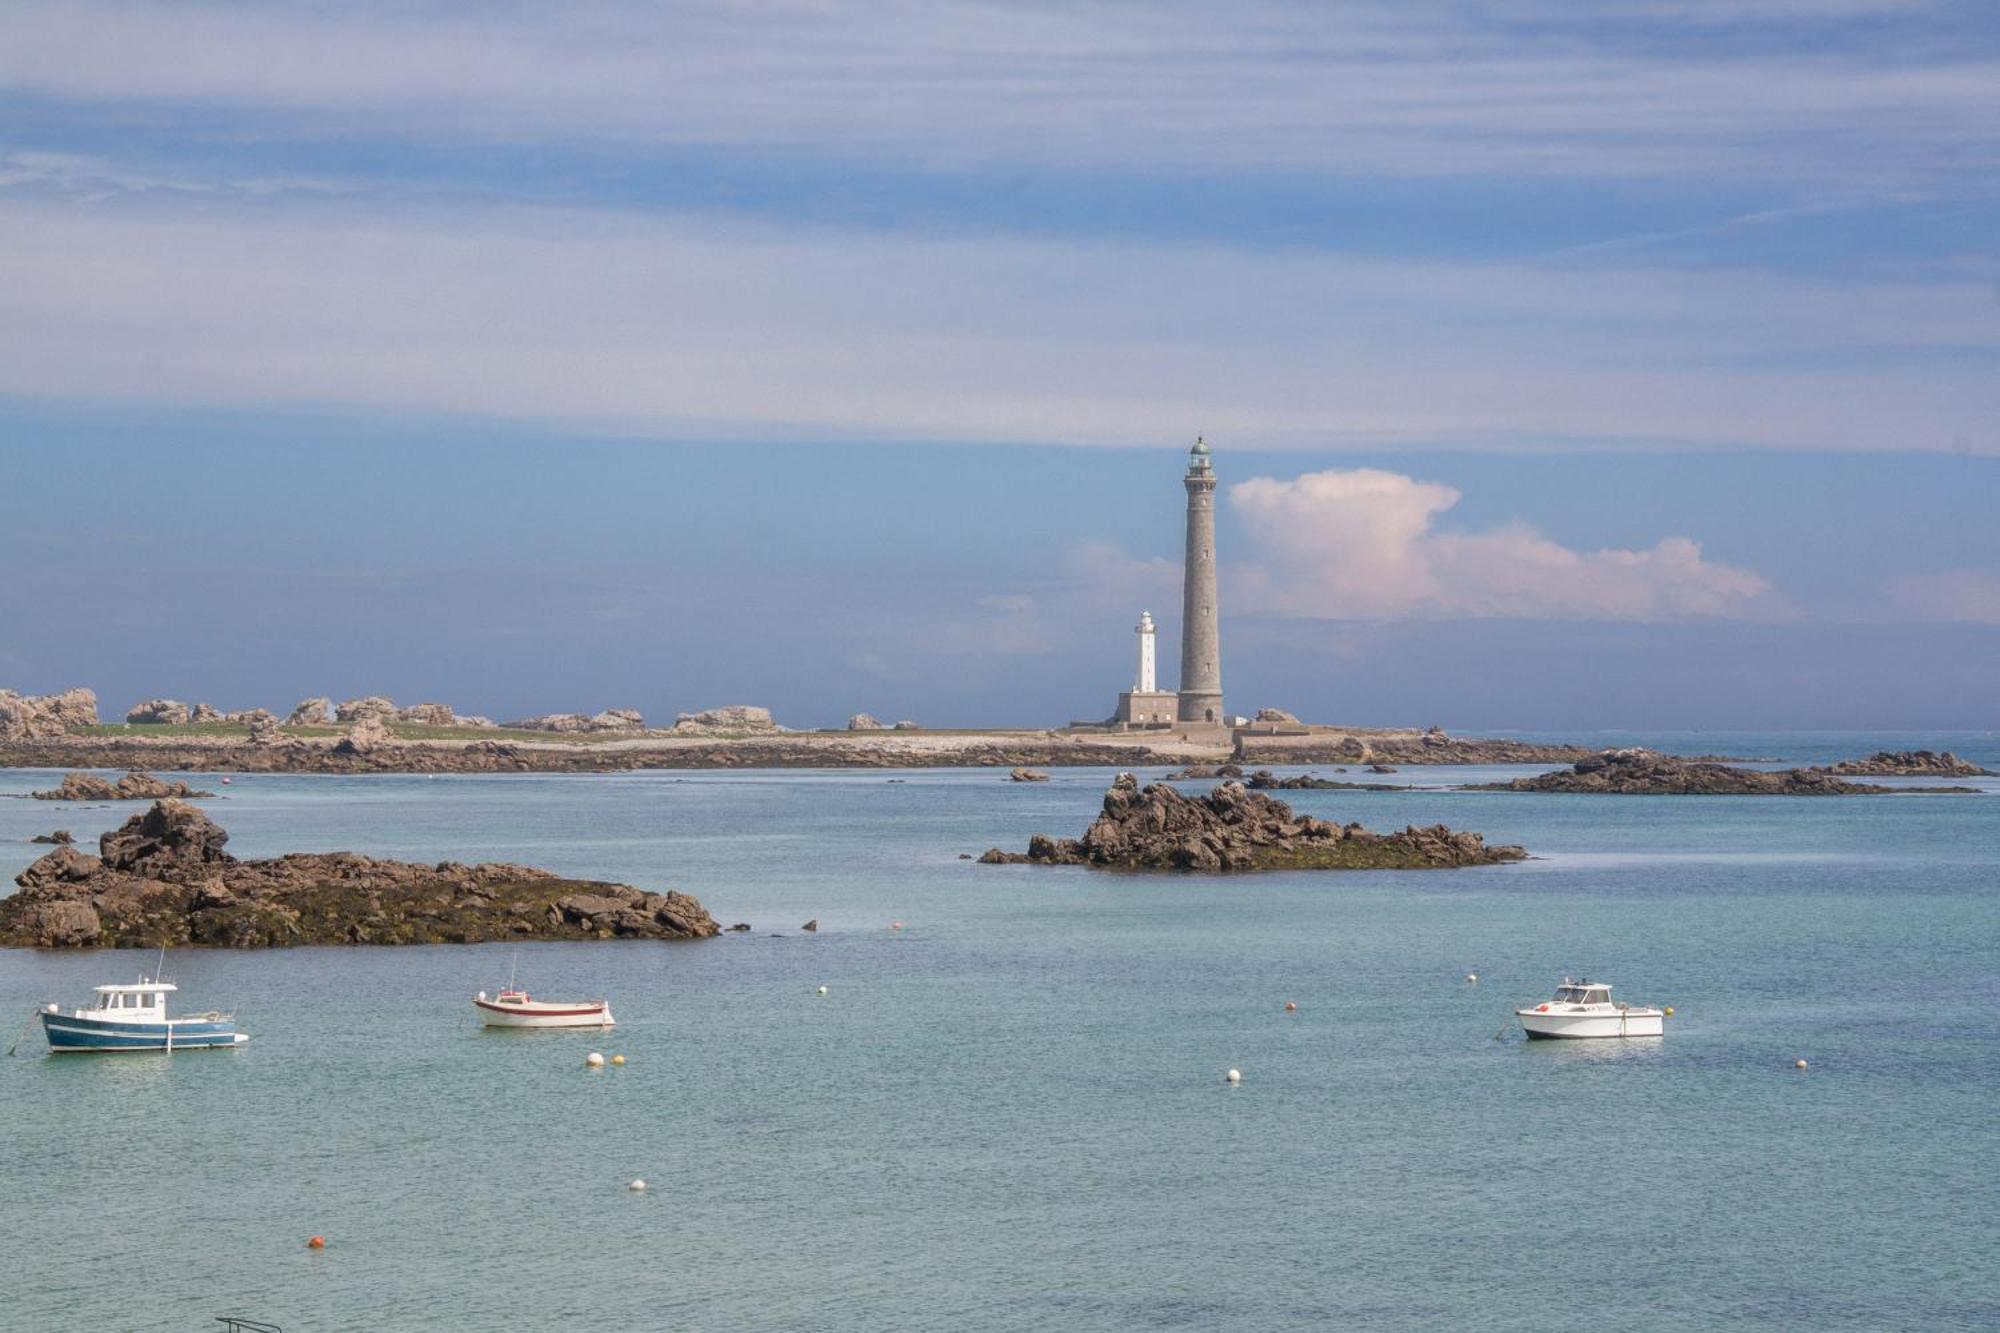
{"points": [[134, 1018]]}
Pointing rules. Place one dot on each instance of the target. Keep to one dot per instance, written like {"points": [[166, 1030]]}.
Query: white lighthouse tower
{"points": [[1145, 704], [1147, 681]]}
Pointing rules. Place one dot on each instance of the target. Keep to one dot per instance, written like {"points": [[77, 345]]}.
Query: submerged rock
{"points": [[1232, 828], [131, 787], [1265, 780], [62, 837], [1027, 775], [164, 878], [1202, 772]]}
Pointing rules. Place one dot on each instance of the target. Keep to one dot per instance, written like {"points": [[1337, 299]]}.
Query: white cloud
{"points": [[1380, 86], [1364, 544], [1958, 594], [700, 326]]}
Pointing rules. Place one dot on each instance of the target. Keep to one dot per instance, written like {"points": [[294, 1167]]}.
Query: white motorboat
{"points": [[1585, 1009], [513, 1008]]}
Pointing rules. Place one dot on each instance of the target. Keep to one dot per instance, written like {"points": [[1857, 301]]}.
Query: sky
{"points": [[1567, 367]]}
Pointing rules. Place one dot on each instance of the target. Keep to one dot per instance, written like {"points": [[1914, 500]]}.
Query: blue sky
{"points": [[1568, 367]]}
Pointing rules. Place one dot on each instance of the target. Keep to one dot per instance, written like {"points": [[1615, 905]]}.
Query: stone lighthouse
{"points": [[1200, 697]]}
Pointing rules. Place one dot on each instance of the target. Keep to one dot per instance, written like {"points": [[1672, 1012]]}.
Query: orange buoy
{"points": [[316, 1243], [1291, 1006]]}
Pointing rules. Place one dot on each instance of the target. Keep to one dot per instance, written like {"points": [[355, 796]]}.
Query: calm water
{"points": [[1011, 1114]]}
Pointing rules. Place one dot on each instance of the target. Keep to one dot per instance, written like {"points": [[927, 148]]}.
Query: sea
{"points": [[1011, 1112]]}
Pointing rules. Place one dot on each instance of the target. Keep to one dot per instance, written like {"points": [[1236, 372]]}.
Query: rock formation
{"points": [[906, 724], [1027, 775], [25, 717], [734, 718], [864, 722], [375, 706], [266, 731], [131, 787], [366, 736], [611, 719], [428, 715], [250, 717], [312, 713], [62, 837], [206, 713], [1641, 772], [1274, 715], [171, 712], [1157, 828], [1202, 772], [165, 879], [1910, 764]]}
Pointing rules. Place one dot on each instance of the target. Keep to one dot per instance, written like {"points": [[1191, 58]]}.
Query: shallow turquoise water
{"points": [[1011, 1114]]}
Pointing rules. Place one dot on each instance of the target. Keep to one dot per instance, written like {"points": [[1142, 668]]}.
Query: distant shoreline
{"points": [[330, 750]]}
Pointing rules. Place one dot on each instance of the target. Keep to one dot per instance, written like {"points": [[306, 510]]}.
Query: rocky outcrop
{"points": [[1909, 764], [1027, 775], [375, 706], [865, 722], [155, 712], [62, 837], [265, 731], [428, 715], [1641, 772], [611, 719], [1203, 772], [206, 713], [26, 717], [365, 737], [165, 878], [1273, 715], [131, 787], [1231, 828], [905, 724], [735, 719], [312, 713]]}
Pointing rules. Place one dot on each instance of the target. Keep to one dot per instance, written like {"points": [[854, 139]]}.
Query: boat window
{"points": [[1597, 997], [1568, 993]]}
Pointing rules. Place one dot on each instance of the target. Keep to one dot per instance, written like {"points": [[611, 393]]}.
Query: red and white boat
{"points": [[513, 1008]]}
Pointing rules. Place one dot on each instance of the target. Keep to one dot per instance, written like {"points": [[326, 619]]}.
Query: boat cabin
{"points": [[1583, 992], [145, 1002]]}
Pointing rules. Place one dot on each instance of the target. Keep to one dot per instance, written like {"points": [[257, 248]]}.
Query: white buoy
{"points": [[1233, 1076], [1798, 1064], [595, 1060], [636, 1186], [1472, 977], [822, 990]]}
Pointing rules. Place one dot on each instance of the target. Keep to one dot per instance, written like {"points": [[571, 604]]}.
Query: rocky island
{"points": [[164, 879], [1910, 764], [131, 787], [1232, 828], [1640, 772]]}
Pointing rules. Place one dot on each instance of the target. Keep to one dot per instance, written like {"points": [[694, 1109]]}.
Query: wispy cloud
{"points": [[690, 326], [1371, 86], [1365, 544]]}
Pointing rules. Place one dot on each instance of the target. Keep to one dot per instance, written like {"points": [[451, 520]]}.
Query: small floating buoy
{"points": [[1233, 1076], [593, 1061], [1799, 1064], [822, 990], [1291, 1006], [636, 1186], [1668, 1011], [316, 1243], [1472, 978], [225, 782], [617, 1059], [895, 925]]}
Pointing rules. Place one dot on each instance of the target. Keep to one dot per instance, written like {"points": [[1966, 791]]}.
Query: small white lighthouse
{"points": [[1145, 704]]}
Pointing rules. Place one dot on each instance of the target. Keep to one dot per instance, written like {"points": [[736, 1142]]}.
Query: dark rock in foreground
{"points": [[1231, 828], [164, 879], [131, 787], [1910, 764], [1638, 772]]}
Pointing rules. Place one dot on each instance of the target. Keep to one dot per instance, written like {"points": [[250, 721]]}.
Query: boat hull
{"points": [[1560, 1026], [67, 1033], [540, 1015]]}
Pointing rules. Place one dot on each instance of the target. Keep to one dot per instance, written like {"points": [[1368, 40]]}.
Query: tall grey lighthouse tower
{"points": [[1201, 633]]}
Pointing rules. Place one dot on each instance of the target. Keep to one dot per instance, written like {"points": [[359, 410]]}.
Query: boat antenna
{"points": [[512, 968]]}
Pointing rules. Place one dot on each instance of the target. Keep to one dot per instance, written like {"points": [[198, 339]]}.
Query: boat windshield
{"points": [[1571, 994], [1597, 997]]}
